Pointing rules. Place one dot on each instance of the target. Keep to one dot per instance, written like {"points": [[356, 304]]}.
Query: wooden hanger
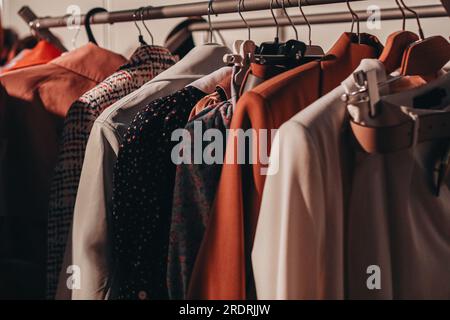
{"points": [[426, 57], [397, 43]]}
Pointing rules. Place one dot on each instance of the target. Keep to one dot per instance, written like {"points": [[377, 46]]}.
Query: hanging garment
{"points": [[145, 63], [193, 195], [42, 53], [223, 266], [3, 145], [36, 101], [2, 36], [143, 192], [221, 94], [196, 184], [333, 214], [259, 73], [14, 61], [91, 243]]}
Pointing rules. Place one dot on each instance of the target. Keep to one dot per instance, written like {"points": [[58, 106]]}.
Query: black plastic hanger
{"points": [[87, 23], [271, 48], [289, 54]]}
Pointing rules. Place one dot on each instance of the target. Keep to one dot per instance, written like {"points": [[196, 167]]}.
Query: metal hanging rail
{"points": [[177, 11], [429, 11]]}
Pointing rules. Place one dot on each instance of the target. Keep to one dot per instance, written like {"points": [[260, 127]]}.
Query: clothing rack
{"points": [[428, 11], [42, 25], [177, 11]]}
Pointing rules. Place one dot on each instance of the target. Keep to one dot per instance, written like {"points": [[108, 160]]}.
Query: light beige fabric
{"points": [[330, 213], [94, 198]]}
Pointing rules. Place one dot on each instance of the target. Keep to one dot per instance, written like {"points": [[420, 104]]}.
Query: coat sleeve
{"points": [[93, 204]]}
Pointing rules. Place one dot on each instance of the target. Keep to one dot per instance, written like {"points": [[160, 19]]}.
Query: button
{"points": [[142, 295]]}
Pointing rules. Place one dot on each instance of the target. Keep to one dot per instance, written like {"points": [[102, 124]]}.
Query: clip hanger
{"points": [[368, 90]]}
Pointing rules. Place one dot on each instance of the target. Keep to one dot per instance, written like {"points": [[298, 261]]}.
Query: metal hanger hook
{"points": [[354, 17], [275, 19], [421, 34], [403, 14], [145, 26], [289, 19], [135, 17], [210, 10], [241, 3], [300, 6]]}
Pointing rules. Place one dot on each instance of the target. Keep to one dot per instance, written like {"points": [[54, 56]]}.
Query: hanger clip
{"points": [[367, 90], [233, 59]]}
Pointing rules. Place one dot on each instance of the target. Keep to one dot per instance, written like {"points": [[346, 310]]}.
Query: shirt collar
{"points": [[223, 88], [91, 61], [208, 83]]}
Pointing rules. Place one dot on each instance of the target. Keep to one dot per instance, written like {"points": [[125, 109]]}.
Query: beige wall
{"points": [[122, 37]]}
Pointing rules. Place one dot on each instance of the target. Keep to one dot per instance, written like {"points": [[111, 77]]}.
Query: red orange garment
{"points": [[33, 104], [42, 53], [223, 266]]}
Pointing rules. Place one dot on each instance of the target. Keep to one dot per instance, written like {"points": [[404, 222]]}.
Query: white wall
{"points": [[122, 37]]}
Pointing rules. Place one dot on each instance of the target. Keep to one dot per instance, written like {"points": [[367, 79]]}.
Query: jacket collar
{"points": [[347, 44], [91, 61], [345, 56], [159, 57], [198, 62]]}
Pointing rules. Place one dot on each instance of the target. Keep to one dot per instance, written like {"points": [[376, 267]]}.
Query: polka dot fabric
{"points": [[144, 178]]}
